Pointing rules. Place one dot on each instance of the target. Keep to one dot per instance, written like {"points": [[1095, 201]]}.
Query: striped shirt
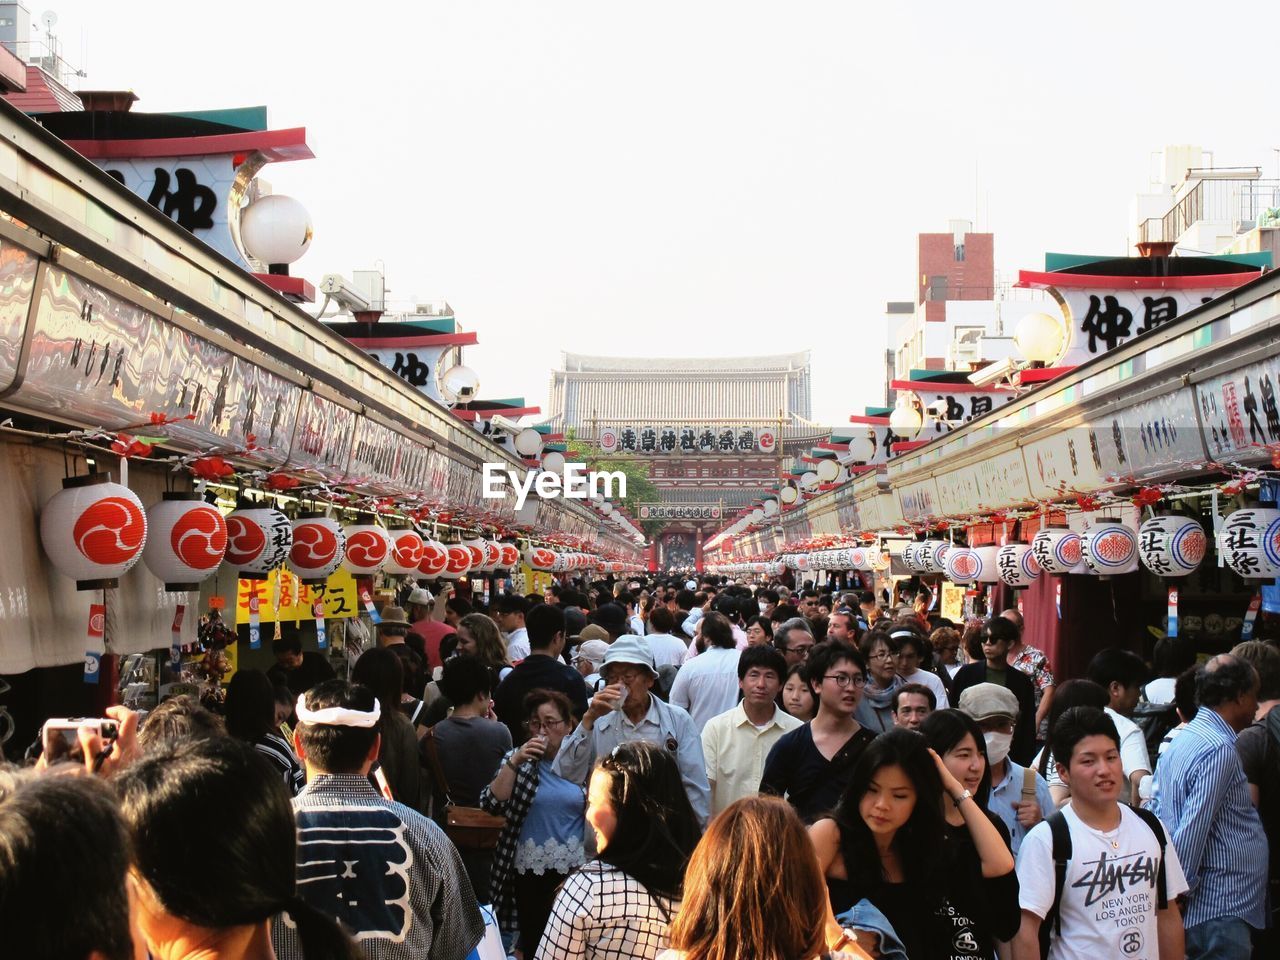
{"points": [[1201, 794]]}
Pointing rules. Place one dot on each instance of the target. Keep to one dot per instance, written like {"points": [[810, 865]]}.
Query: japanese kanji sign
{"points": [[284, 597]]}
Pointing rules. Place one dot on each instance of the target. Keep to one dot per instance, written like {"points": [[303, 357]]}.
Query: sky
{"points": [[697, 178]]}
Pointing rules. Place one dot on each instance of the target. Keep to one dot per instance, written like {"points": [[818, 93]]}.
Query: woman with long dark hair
{"points": [[221, 896], [888, 844], [250, 714], [381, 671], [619, 905]]}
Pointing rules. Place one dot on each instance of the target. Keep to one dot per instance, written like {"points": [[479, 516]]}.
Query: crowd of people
{"points": [[655, 769]]}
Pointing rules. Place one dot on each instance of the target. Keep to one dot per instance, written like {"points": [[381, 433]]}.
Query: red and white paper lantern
{"points": [[1057, 549], [492, 555], [962, 565], [988, 567], [1171, 546], [932, 555], [406, 553], [186, 541], [317, 549], [510, 557], [1250, 542], [458, 562], [93, 530], [368, 549], [1110, 547], [1017, 565], [540, 558], [476, 549], [258, 541], [435, 561]]}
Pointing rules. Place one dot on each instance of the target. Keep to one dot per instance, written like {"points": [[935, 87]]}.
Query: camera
{"points": [[60, 736]]}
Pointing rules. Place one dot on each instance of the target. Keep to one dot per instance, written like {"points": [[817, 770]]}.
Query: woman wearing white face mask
{"points": [[1020, 797]]}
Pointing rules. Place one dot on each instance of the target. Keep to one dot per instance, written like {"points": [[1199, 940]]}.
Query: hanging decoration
{"points": [[435, 560], [1250, 542], [1057, 549], [186, 541], [1017, 565], [933, 554], [476, 549], [988, 566], [458, 563], [258, 541], [367, 549], [317, 548], [510, 556], [1110, 547], [540, 558], [962, 565], [407, 549], [93, 530], [1171, 546], [492, 555]]}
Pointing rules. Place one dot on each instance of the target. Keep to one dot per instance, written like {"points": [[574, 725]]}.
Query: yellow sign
{"points": [[284, 597], [953, 602]]}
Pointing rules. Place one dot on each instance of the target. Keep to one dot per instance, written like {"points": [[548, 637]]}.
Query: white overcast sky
{"points": [[695, 178]]}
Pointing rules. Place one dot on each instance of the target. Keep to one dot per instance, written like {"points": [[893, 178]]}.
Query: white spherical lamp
{"points": [[828, 470], [1040, 337], [275, 229], [788, 494], [809, 480], [770, 508], [528, 442], [553, 462], [459, 384], [905, 420]]}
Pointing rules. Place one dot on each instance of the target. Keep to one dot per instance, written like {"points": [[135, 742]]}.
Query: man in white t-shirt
{"points": [[707, 685], [667, 650], [1120, 870], [1121, 673]]}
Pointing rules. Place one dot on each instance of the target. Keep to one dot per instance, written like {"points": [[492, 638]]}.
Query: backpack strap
{"points": [[1061, 833], [1156, 827]]}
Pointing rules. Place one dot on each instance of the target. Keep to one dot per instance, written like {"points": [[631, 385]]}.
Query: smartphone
{"points": [[61, 739]]}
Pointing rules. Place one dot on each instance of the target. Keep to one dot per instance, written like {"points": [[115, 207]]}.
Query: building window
{"points": [[959, 253]]}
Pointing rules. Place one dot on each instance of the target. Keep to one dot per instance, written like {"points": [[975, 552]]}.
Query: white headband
{"points": [[902, 633], [338, 716]]}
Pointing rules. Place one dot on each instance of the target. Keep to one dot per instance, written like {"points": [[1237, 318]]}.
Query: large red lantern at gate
{"points": [[186, 541], [93, 530]]}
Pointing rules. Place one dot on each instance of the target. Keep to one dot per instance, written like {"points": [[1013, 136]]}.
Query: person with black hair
{"points": [[707, 685], [879, 648], [619, 905], [1172, 655], [250, 713], [295, 669], [915, 662], [793, 638], [510, 612], [812, 764], [1073, 693], [1202, 795], [1098, 878], [64, 863], [383, 869], [1259, 747], [911, 703], [223, 900], [380, 669], [736, 742], [997, 637], [541, 669], [180, 718], [1122, 673], [887, 843]]}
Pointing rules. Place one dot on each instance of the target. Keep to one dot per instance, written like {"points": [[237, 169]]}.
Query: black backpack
{"points": [[1156, 720], [1061, 833]]}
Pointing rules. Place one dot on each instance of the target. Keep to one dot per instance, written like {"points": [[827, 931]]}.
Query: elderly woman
{"points": [[543, 839]]}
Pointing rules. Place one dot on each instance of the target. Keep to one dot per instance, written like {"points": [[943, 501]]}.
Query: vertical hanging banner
{"points": [[1246, 628], [175, 645], [255, 623], [322, 636], [1057, 597], [366, 597], [94, 646], [1173, 612]]}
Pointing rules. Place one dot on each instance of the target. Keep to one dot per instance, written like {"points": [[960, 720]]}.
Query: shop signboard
{"points": [[919, 500], [283, 596], [17, 281], [1238, 413], [679, 511], [1162, 434], [685, 439], [990, 483], [322, 437]]}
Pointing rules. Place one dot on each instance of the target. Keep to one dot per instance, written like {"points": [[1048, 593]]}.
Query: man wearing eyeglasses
{"points": [[794, 639], [811, 765], [541, 669], [998, 637]]}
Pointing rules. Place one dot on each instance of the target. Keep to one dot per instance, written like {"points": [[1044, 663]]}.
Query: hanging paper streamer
{"points": [[94, 646], [367, 599], [1057, 598], [175, 645], [322, 636], [255, 623], [1246, 628], [1173, 612]]}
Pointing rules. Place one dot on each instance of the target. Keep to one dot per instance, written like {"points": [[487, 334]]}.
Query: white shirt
{"points": [[1110, 898], [667, 650], [1133, 744], [934, 683], [707, 685], [735, 750], [517, 644], [637, 625], [1160, 690]]}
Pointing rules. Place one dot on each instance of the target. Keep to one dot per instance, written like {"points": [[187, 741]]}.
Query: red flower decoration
{"points": [[279, 482], [212, 468], [1147, 497], [127, 446], [1085, 502]]}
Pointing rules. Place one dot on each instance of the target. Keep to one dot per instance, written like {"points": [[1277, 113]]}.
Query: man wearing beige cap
{"points": [[1019, 795], [590, 646]]}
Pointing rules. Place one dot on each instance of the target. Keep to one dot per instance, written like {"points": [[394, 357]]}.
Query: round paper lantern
{"points": [[1057, 549], [911, 557], [476, 549], [1109, 547], [1250, 542], [368, 548], [1171, 546], [932, 555], [458, 563], [788, 494], [492, 555], [961, 565], [1017, 565], [93, 530], [258, 541], [528, 442], [988, 568], [406, 553], [186, 540], [318, 544], [857, 558], [510, 556], [803, 562], [435, 560]]}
